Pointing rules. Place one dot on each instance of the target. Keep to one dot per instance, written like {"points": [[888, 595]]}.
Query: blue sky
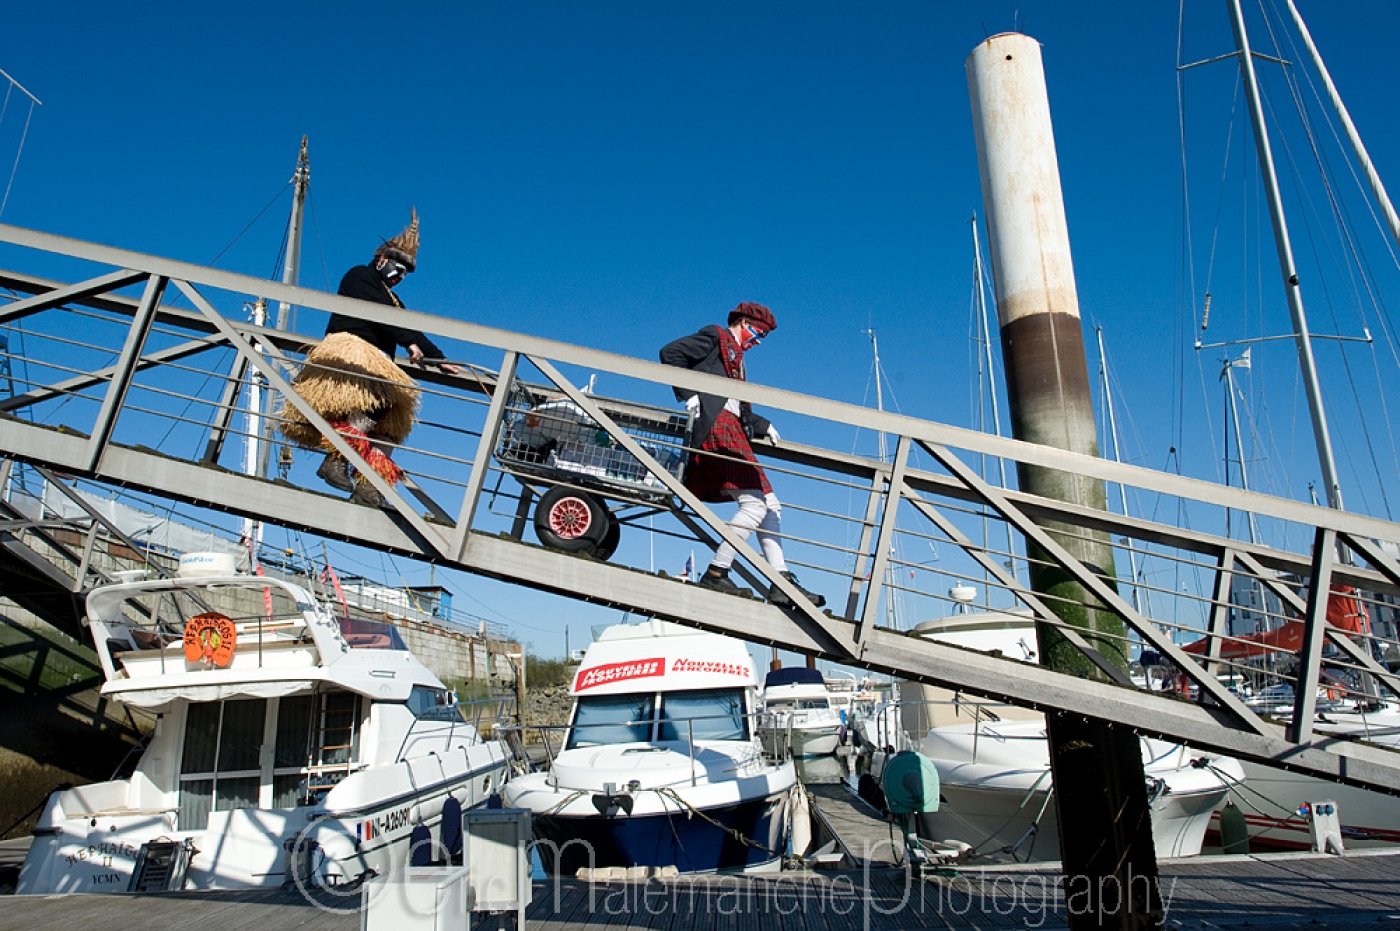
{"points": [[616, 174]]}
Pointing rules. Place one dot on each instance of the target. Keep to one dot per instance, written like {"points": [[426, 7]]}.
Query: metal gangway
{"points": [[116, 383]]}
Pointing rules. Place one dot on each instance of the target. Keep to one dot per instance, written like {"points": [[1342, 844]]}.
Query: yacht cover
{"points": [[154, 698]]}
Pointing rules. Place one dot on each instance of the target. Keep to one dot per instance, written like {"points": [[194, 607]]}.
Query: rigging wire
{"points": [[214, 261], [1346, 232], [24, 135]]}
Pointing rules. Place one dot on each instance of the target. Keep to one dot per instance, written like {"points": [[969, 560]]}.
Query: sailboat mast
{"points": [[1362, 156], [1117, 455], [1233, 406], [891, 613], [291, 268], [291, 272], [1285, 260], [980, 286], [258, 446]]}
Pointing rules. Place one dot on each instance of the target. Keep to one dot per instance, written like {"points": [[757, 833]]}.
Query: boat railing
{"points": [[488, 714], [891, 731], [446, 723]]}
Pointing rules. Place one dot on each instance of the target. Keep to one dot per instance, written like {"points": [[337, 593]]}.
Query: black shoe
{"points": [[719, 580], [368, 495], [335, 471], [776, 596]]}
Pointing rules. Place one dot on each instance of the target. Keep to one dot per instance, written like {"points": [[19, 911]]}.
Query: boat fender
{"points": [[868, 788], [420, 846], [910, 783], [800, 831], [1234, 829], [450, 829]]}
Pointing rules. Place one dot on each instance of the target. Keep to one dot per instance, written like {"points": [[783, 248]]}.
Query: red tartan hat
{"points": [[755, 312]]}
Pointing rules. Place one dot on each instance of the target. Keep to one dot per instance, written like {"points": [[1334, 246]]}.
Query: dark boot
{"points": [[776, 596], [719, 580], [335, 472], [368, 495]]}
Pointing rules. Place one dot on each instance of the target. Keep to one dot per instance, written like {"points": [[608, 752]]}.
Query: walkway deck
{"points": [[1273, 891]]}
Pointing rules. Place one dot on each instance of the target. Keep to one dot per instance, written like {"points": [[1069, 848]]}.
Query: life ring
{"points": [[209, 639]]}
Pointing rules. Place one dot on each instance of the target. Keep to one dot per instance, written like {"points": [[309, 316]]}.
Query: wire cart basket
{"points": [[549, 442]]}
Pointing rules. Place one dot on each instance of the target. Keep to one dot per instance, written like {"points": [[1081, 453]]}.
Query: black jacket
{"points": [[700, 353], [364, 283]]}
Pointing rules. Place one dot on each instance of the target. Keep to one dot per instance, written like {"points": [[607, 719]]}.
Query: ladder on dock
{"points": [[161, 866]]}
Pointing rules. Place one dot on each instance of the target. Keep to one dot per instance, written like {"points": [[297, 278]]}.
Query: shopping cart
{"points": [[584, 480]]}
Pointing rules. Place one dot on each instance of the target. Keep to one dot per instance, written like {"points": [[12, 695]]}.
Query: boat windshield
{"points": [[370, 635], [611, 719], [706, 714]]}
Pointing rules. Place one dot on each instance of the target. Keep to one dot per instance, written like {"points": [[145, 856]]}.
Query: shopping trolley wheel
{"points": [[570, 520], [610, 539]]}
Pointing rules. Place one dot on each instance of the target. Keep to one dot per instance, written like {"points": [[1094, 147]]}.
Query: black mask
{"points": [[389, 270]]}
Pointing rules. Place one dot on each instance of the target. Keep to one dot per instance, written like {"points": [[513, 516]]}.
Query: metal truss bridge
{"points": [[111, 381]]}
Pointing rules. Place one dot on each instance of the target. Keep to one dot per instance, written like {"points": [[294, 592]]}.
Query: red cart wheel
{"points": [[571, 521], [610, 539]]}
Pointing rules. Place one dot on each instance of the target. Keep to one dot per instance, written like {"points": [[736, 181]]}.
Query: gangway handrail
{"points": [[855, 639]]}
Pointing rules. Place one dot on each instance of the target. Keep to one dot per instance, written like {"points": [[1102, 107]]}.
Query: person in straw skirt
{"points": [[351, 380], [724, 467]]}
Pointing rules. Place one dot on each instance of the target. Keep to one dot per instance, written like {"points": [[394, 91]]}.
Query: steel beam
{"points": [[564, 353], [69, 294], [887, 651], [124, 371], [1314, 627]]}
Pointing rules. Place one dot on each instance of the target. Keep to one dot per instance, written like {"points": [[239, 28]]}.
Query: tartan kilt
{"points": [[725, 463]]}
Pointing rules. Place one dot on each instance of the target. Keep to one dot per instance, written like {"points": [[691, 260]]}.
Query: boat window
{"points": [[293, 731], [370, 635], [241, 734], [815, 704], [713, 714], [432, 704], [221, 765], [782, 704], [201, 737], [611, 719]]}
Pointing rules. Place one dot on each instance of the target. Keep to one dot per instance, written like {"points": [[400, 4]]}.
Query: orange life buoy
{"points": [[209, 639]]}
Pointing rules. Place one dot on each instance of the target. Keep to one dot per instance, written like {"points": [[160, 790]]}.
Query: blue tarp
{"points": [[793, 675]]}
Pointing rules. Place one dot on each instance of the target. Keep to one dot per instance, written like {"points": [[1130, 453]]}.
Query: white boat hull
{"points": [[683, 812], [362, 824], [1369, 819], [997, 787]]}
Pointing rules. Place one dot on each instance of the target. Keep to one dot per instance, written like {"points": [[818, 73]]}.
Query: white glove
{"points": [[692, 404], [773, 435]]}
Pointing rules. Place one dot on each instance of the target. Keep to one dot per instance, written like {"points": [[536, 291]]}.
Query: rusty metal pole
{"points": [[1110, 865]]}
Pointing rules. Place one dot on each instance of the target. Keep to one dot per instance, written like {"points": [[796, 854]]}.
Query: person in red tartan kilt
{"points": [[724, 467]]}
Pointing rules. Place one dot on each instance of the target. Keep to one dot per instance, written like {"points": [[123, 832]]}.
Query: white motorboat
{"points": [[797, 710], [996, 784], [660, 766], [290, 744], [994, 761], [1272, 805]]}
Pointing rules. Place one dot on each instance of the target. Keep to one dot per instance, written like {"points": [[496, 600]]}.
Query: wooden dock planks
{"points": [[1227, 892]]}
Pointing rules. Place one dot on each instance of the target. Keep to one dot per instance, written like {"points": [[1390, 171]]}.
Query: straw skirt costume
{"points": [[351, 380]]}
